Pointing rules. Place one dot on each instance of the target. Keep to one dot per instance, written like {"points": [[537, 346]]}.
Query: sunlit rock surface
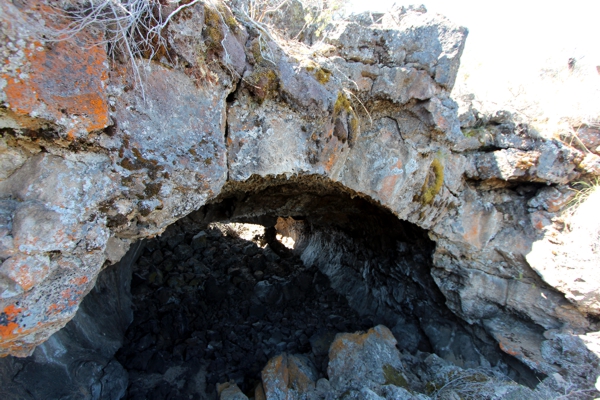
{"points": [[98, 152]]}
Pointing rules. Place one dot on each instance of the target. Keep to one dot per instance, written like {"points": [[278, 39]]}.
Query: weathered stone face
{"points": [[97, 153], [64, 196], [63, 84]]}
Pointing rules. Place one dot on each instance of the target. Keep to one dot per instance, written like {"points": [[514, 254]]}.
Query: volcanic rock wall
{"points": [[98, 152]]}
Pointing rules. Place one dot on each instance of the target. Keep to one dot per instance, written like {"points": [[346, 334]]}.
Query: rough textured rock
{"points": [[77, 362], [218, 313], [80, 186], [288, 376], [367, 365], [230, 391], [349, 357], [567, 258], [91, 164], [41, 86]]}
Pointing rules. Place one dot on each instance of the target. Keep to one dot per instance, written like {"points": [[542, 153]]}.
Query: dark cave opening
{"points": [[251, 305], [211, 307]]}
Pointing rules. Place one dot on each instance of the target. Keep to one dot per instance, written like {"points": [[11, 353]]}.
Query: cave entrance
{"points": [[214, 298]]}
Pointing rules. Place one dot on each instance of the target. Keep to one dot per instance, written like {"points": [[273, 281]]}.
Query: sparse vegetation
{"points": [[581, 212], [469, 384], [129, 28], [314, 15], [583, 190]]}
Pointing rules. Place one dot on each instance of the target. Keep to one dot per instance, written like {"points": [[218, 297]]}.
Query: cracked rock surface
{"points": [[98, 152]]}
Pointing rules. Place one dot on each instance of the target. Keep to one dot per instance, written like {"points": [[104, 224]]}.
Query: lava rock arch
{"points": [[353, 265], [84, 180]]}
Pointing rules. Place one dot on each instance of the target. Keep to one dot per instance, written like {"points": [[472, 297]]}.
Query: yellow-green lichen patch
{"points": [[261, 53], [433, 182], [309, 65], [394, 377], [342, 104], [353, 124], [322, 75], [256, 50], [263, 84], [228, 18], [213, 29]]}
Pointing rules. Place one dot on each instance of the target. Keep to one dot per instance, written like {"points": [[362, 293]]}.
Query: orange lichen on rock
{"points": [[540, 220], [275, 377], [8, 324], [283, 373], [54, 309], [346, 341], [472, 231], [330, 162], [72, 296], [80, 281], [64, 81]]}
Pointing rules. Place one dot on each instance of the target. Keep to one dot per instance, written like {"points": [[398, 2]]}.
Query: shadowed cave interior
{"points": [[219, 306]]}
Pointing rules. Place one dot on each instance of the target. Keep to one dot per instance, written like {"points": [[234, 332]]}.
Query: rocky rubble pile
{"points": [[368, 366], [211, 308], [219, 316]]}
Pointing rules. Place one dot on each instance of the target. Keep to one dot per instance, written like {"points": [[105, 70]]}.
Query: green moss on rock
{"points": [[322, 75], [228, 17], [342, 104]]}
